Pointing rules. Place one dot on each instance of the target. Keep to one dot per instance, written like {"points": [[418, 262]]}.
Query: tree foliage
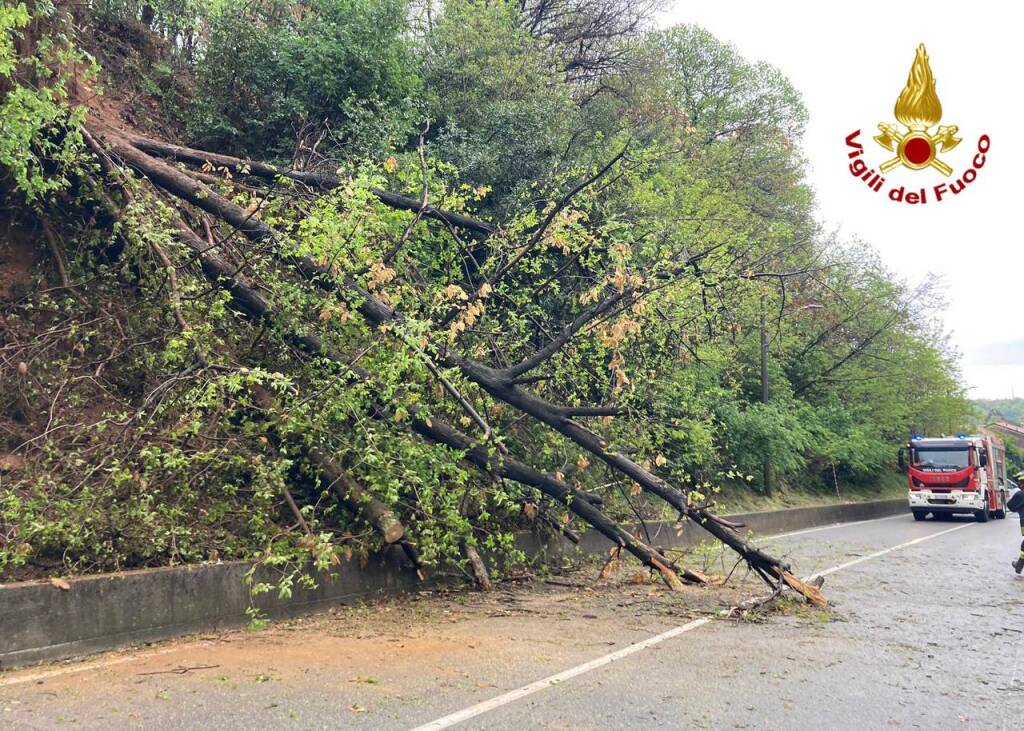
{"points": [[39, 140], [648, 204]]}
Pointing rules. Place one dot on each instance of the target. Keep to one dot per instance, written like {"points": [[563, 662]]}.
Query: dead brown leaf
{"points": [[11, 463]]}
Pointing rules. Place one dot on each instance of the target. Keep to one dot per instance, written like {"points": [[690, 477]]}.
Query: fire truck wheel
{"points": [[1000, 514], [981, 515], [919, 514]]}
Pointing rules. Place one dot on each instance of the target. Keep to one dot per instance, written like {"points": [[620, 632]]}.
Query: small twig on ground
{"points": [[756, 603], [180, 670]]}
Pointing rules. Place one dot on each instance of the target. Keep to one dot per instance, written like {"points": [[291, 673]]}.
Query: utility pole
{"points": [[766, 466]]}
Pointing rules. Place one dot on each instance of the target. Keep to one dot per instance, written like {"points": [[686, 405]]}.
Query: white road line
{"points": [[884, 551], [513, 695], [547, 682], [830, 526]]}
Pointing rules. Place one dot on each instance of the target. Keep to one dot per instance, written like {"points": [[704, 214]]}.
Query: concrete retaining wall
{"points": [[41, 622]]}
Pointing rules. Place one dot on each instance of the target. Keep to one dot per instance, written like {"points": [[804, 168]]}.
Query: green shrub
{"points": [[344, 67]]}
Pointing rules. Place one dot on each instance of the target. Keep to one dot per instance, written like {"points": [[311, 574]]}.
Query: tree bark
{"points": [[357, 499], [495, 382], [353, 495], [476, 566], [314, 180], [512, 469]]}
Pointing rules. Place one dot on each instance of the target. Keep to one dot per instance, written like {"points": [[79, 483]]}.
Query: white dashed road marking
{"points": [[504, 699]]}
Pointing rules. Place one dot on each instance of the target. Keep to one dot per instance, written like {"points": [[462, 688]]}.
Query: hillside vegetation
{"points": [[513, 269]]}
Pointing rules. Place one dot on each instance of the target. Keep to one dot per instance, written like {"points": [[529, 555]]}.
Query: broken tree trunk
{"points": [[477, 567], [356, 498], [496, 383], [350, 493], [225, 275], [315, 180]]}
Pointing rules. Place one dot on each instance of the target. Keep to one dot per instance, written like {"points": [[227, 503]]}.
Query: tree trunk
{"points": [[357, 499], [314, 180], [353, 495], [476, 566], [496, 383]]}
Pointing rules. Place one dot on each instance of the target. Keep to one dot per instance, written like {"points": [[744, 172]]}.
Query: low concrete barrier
{"points": [[40, 621]]}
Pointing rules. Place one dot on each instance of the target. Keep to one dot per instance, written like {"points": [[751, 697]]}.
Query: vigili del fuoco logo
{"points": [[913, 144]]}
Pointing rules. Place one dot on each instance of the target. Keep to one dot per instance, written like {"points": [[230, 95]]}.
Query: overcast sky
{"points": [[850, 62]]}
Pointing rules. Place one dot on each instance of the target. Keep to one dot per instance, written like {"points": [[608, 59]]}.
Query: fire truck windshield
{"points": [[941, 460]]}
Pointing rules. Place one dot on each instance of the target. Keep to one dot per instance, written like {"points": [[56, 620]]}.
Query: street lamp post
{"points": [[766, 467]]}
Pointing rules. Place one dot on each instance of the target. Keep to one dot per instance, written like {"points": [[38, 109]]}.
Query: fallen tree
{"points": [[255, 305], [540, 312], [501, 384], [321, 181]]}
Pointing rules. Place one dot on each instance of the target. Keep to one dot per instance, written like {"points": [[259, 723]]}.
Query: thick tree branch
{"points": [[558, 342], [499, 386], [314, 180]]}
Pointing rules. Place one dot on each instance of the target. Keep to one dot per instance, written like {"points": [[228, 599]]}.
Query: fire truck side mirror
{"points": [[903, 459], [982, 458]]}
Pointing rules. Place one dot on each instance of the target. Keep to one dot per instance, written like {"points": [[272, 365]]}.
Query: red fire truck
{"points": [[962, 474]]}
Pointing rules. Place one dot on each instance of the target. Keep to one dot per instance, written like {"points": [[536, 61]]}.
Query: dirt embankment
{"points": [[20, 265]]}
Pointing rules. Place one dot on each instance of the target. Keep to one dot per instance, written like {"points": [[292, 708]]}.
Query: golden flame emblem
{"points": [[918, 109]]}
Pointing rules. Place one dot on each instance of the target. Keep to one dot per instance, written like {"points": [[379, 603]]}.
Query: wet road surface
{"points": [[928, 633]]}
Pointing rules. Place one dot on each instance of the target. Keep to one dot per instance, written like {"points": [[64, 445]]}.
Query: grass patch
{"points": [[890, 486]]}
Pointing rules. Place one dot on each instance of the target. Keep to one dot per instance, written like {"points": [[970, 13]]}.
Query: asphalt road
{"points": [[930, 637], [927, 633]]}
